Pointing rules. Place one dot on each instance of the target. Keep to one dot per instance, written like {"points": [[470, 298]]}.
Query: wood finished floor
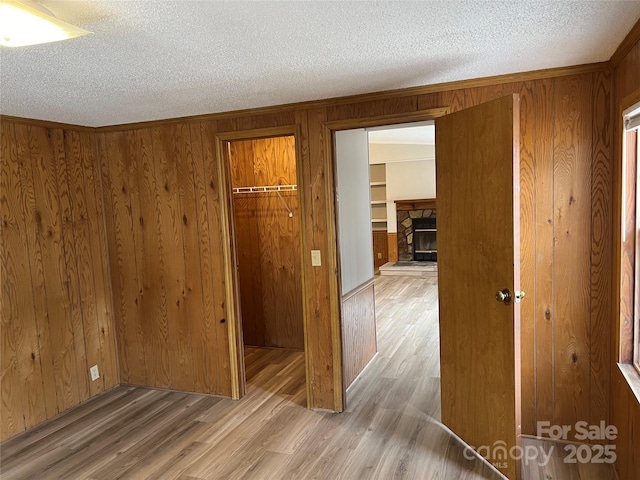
{"points": [[390, 429]]}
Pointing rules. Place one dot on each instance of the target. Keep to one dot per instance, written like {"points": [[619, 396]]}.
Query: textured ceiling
{"points": [[160, 59]]}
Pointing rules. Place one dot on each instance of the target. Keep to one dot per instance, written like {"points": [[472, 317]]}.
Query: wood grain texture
{"points": [[120, 198], [544, 311], [165, 258], [479, 337], [601, 249], [527, 244], [572, 246], [392, 241], [546, 145], [213, 185], [129, 262], [53, 297], [77, 227], [419, 204], [15, 280], [624, 406], [44, 146], [380, 249], [391, 429], [358, 331], [625, 415], [319, 196], [628, 252], [626, 47], [268, 242]]}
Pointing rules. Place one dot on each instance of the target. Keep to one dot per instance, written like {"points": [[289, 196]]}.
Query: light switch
{"points": [[315, 258]]}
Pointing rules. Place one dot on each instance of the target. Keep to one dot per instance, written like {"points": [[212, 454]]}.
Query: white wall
{"points": [[409, 181], [411, 173], [400, 152], [354, 208]]}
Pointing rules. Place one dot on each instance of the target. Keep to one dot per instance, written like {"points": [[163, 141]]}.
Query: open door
{"points": [[478, 192]]}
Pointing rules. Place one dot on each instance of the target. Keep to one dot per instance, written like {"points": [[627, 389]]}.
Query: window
{"points": [[630, 236]]}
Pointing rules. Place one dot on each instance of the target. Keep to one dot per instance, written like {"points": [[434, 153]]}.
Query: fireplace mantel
{"points": [[420, 204]]}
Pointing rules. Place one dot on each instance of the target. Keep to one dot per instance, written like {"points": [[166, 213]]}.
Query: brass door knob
{"points": [[504, 296]]}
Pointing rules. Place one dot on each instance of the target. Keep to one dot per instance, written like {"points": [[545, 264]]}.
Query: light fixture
{"points": [[28, 23]]}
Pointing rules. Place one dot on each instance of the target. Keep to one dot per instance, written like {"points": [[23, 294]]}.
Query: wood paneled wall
{"points": [[268, 243], [625, 409], [163, 221], [164, 234], [565, 158], [625, 415], [136, 159], [392, 245], [358, 331], [566, 235], [380, 249], [55, 307]]}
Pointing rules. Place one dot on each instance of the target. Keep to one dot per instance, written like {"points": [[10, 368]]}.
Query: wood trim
{"points": [[46, 123], [304, 265], [257, 133], [392, 119], [517, 265], [628, 265], [423, 204], [339, 398], [236, 348], [374, 96], [392, 244], [358, 289], [626, 102], [328, 128], [107, 253], [630, 374], [626, 45]]}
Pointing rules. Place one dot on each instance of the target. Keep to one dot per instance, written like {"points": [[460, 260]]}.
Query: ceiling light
{"points": [[28, 23]]}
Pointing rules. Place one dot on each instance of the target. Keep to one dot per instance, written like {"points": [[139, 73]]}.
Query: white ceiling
{"points": [[164, 58]]}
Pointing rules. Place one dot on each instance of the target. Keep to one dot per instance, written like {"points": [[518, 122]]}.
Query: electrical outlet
{"points": [[315, 258], [95, 374], [379, 255]]}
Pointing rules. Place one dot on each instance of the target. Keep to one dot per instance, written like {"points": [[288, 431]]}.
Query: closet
{"points": [[267, 237]]}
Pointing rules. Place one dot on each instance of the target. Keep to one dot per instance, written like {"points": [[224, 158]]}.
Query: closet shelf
{"points": [[265, 188]]}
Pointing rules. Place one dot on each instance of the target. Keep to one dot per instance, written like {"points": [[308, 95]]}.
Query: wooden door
{"points": [[477, 184]]}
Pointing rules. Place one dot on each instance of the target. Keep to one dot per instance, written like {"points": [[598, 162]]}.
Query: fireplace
{"points": [[416, 222], [424, 240]]}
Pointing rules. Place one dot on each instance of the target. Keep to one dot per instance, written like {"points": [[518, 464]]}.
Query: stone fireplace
{"points": [[407, 212]]}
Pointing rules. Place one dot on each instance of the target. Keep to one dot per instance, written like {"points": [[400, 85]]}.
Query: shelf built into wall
{"points": [[378, 184]]}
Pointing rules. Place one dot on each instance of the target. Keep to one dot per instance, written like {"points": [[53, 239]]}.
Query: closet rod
{"points": [[265, 188]]}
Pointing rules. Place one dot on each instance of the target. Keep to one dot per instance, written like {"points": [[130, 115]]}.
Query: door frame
{"points": [[231, 277], [328, 130]]}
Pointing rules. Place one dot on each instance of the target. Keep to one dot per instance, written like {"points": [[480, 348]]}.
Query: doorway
{"points": [[376, 167], [266, 275], [403, 191], [357, 216], [474, 331]]}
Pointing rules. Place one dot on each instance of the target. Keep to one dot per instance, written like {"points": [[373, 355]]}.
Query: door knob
{"points": [[504, 296]]}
